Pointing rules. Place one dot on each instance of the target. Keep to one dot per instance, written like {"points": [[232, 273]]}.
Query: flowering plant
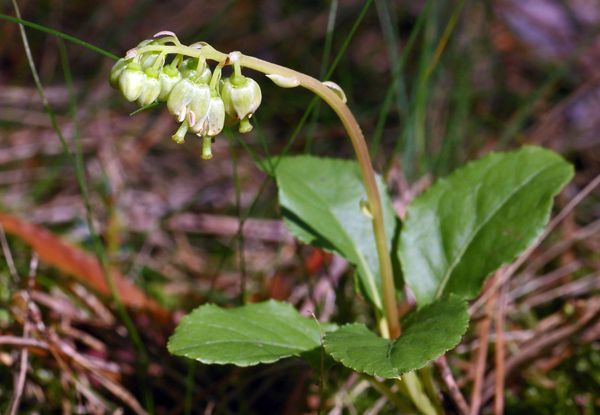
{"points": [[455, 234]]}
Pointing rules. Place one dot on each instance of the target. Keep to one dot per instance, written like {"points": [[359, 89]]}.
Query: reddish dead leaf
{"points": [[278, 287], [79, 264], [316, 260]]}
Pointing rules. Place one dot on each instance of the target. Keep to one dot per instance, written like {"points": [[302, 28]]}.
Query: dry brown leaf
{"points": [[79, 264]]}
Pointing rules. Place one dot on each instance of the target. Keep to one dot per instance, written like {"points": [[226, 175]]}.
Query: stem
{"points": [[417, 394], [390, 322], [364, 161], [159, 62], [401, 403]]}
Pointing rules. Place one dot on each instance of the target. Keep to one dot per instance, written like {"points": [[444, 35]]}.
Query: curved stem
{"points": [[368, 174]]}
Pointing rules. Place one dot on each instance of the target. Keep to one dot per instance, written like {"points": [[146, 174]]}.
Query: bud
{"points": [[189, 99], [116, 72], [131, 81], [214, 121], [337, 89], [283, 81], [151, 88], [147, 60], [189, 69], [168, 78], [241, 96]]}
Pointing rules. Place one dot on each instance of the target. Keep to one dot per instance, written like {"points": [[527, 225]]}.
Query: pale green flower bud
{"points": [[151, 88], [116, 72], [212, 124], [241, 96], [149, 59], [168, 78], [216, 116], [189, 99], [180, 97], [189, 69], [198, 109], [132, 81], [204, 77]]}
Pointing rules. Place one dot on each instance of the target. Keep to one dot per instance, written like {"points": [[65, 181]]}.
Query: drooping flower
{"points": [[151, 88], [168, 78], [132, 81], [189, 99], [242, 97]]}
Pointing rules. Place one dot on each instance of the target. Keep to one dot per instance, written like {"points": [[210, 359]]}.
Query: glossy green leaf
{"points": [[482, 216], [323, 202], [244, 336], [426, 334]]}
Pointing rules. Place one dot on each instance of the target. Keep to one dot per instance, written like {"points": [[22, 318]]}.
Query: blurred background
{"points": [[433, 85]]}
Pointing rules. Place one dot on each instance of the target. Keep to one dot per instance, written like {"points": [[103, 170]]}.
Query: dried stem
{"points": [[451, 386], [24, 360], [500, 350], [483, 330]]}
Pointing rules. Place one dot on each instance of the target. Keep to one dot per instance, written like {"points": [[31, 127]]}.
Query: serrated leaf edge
{"points": [[443, 181], [239, 363], [463, 330]]}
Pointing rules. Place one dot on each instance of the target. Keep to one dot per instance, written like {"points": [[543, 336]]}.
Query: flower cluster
{"points": [[196, 95]]}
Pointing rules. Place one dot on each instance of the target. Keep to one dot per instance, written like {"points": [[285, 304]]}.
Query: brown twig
{"points": [[262, 229], [8, 255], [578, 287], [483, 331], [544, 340], [499, 350], [451, 386], [525, 283], [24, 360], [584, 233], [22, 342]]}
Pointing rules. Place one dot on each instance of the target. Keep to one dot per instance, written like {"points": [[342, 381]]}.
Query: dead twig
{"points": [[22, 342], [578, 287], [499, 350], [24, 360], [552, 252], [262, 229], [544, 340], [451, 386], [483, 331], [8, 255], [526, 284]]}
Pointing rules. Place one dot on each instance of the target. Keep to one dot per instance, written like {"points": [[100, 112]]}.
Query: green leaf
{"points": [[426, 334], [482, 216], [322, 202], [245, 336]]}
